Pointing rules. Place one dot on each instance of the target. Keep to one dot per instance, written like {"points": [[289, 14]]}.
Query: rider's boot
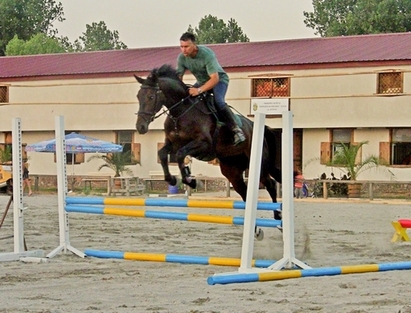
{"points": [[228, 118]]}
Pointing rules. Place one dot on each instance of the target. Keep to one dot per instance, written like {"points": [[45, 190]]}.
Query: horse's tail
{"points": [[271, 139]]}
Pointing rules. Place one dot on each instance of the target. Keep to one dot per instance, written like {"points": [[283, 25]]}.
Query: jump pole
{"points": [[172, 258], [179, 203], [62, 192], [178, 216], [18, 207]]}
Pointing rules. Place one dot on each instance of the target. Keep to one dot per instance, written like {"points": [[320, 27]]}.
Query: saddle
{"points": [[208, 97]]}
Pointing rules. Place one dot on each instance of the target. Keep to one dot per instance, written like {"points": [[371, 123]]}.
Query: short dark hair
{"points": [[188, 36]]}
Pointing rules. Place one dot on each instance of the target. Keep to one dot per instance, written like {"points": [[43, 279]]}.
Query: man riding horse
{"points": [[203, 64]]}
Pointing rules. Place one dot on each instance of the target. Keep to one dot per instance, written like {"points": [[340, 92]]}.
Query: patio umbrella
{"points": [[76, 143]]}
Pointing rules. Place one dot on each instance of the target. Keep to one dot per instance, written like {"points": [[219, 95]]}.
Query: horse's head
{"points": [[161, 87], [151, 100]]}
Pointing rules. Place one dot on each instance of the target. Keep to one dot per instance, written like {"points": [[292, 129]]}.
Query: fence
{"points": [[370, 189]]}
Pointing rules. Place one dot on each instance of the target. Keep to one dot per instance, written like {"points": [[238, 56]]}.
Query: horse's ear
{"points": [[139, 79]]}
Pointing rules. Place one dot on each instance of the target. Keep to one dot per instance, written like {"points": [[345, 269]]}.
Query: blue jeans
{"points": [[219, 94]]}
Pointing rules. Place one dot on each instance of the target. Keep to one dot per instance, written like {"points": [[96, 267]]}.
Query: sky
{"points": [[159, 23]]}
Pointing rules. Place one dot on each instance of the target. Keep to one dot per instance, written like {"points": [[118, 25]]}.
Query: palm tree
{"points": [[115, 161], [6, 154], [347, 160]]}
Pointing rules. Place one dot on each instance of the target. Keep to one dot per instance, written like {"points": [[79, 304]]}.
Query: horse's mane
{"points": [[164, 71]]}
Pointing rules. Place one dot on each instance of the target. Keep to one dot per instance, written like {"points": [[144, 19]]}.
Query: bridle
{"points": [[153, 116]]}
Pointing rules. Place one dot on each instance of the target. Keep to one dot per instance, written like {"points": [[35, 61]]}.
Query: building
{"points": [[340, 89]]}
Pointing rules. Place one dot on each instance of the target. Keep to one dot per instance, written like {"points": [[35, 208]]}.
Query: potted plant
{"points": [[6, 155], [115, 161], [350, 162]]}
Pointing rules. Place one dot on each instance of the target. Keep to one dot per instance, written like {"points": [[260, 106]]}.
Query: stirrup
{"points": [[238, 136]]}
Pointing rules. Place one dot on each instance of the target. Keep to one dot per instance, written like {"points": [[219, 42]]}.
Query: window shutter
{"points": [[385, 152], [325, 153], [136, 151], [358, 157], [79, 158]]}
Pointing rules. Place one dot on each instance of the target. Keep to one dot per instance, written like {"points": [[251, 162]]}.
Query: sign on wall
{"points": [[272, 106]]}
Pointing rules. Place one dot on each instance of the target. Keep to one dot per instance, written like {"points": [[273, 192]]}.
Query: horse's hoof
{"points": [[278, 215], [259, 235], [173, 181], [192, 184]]}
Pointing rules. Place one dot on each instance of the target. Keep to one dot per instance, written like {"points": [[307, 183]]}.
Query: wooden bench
{"points": [[127, 186], [400, 227], [97, 178]]}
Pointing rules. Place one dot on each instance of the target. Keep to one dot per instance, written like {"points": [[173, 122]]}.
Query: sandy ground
{"points": [[327, 234]]}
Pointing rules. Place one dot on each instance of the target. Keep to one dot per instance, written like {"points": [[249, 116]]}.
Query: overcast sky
{"points": [[154, 23]]}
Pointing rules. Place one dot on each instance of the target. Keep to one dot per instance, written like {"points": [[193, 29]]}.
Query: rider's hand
{"points": [[193, 91]]}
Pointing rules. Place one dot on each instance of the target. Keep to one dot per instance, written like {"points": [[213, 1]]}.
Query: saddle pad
{"points": [[405, 223]]}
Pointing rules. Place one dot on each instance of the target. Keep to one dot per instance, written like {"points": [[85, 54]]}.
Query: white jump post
{"points": [[62, 192], [288, 260], [18, 207]]}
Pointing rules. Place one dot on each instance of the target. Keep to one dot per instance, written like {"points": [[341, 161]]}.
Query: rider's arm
{"points": [[210, 84]]}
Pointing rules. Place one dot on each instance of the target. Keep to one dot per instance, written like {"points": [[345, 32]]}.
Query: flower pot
{"points": [[117, 183], [354, 190], [172, 189]]}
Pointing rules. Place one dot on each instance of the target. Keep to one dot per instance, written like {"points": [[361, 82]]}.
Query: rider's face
{"points": [[188, 48]]}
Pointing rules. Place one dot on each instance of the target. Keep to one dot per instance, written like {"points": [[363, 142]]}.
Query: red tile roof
{"points": [[296, 52]]}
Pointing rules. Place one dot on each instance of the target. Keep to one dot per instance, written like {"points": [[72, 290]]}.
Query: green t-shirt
{"points": [[202, 65]]}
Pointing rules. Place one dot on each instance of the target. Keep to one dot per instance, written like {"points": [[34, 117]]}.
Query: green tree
{"points": [[356, 17], [26, 18], [214, 30], [38, 44], [98, 37]]}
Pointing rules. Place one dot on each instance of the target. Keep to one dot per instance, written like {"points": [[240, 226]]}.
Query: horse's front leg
{"points": [[163, 154], [193, 148]]}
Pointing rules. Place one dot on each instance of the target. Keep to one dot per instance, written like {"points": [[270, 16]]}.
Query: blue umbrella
{"points": [[76, 143]]}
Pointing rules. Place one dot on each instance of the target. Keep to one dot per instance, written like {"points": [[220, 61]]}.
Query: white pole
{"points": [[62, 192], [287, 148], [18, 206], [17, 187], [252, 192]]}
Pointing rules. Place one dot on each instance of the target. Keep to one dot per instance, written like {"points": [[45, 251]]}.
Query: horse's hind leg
{"points": [[235, 177], [271, 187]]}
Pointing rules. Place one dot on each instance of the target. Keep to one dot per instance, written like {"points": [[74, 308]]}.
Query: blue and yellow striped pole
{"points": [[173, 258], [215, 204], [190, 217], [314, 272]]}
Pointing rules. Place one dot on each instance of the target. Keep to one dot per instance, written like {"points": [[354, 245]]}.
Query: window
{"points": [[4, 94], [271, 87], [131, 149], [390, 83], [398, 150], [338, 137], [74, 158]]}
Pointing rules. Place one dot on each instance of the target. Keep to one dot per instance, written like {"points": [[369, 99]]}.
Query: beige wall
{"points": [[320, 99]]}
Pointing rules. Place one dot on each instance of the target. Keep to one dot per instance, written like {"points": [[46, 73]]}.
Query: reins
{"points": [[167, 111]]}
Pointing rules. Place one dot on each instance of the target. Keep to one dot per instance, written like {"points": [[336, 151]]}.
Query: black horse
{"points": [[191, 128]]}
